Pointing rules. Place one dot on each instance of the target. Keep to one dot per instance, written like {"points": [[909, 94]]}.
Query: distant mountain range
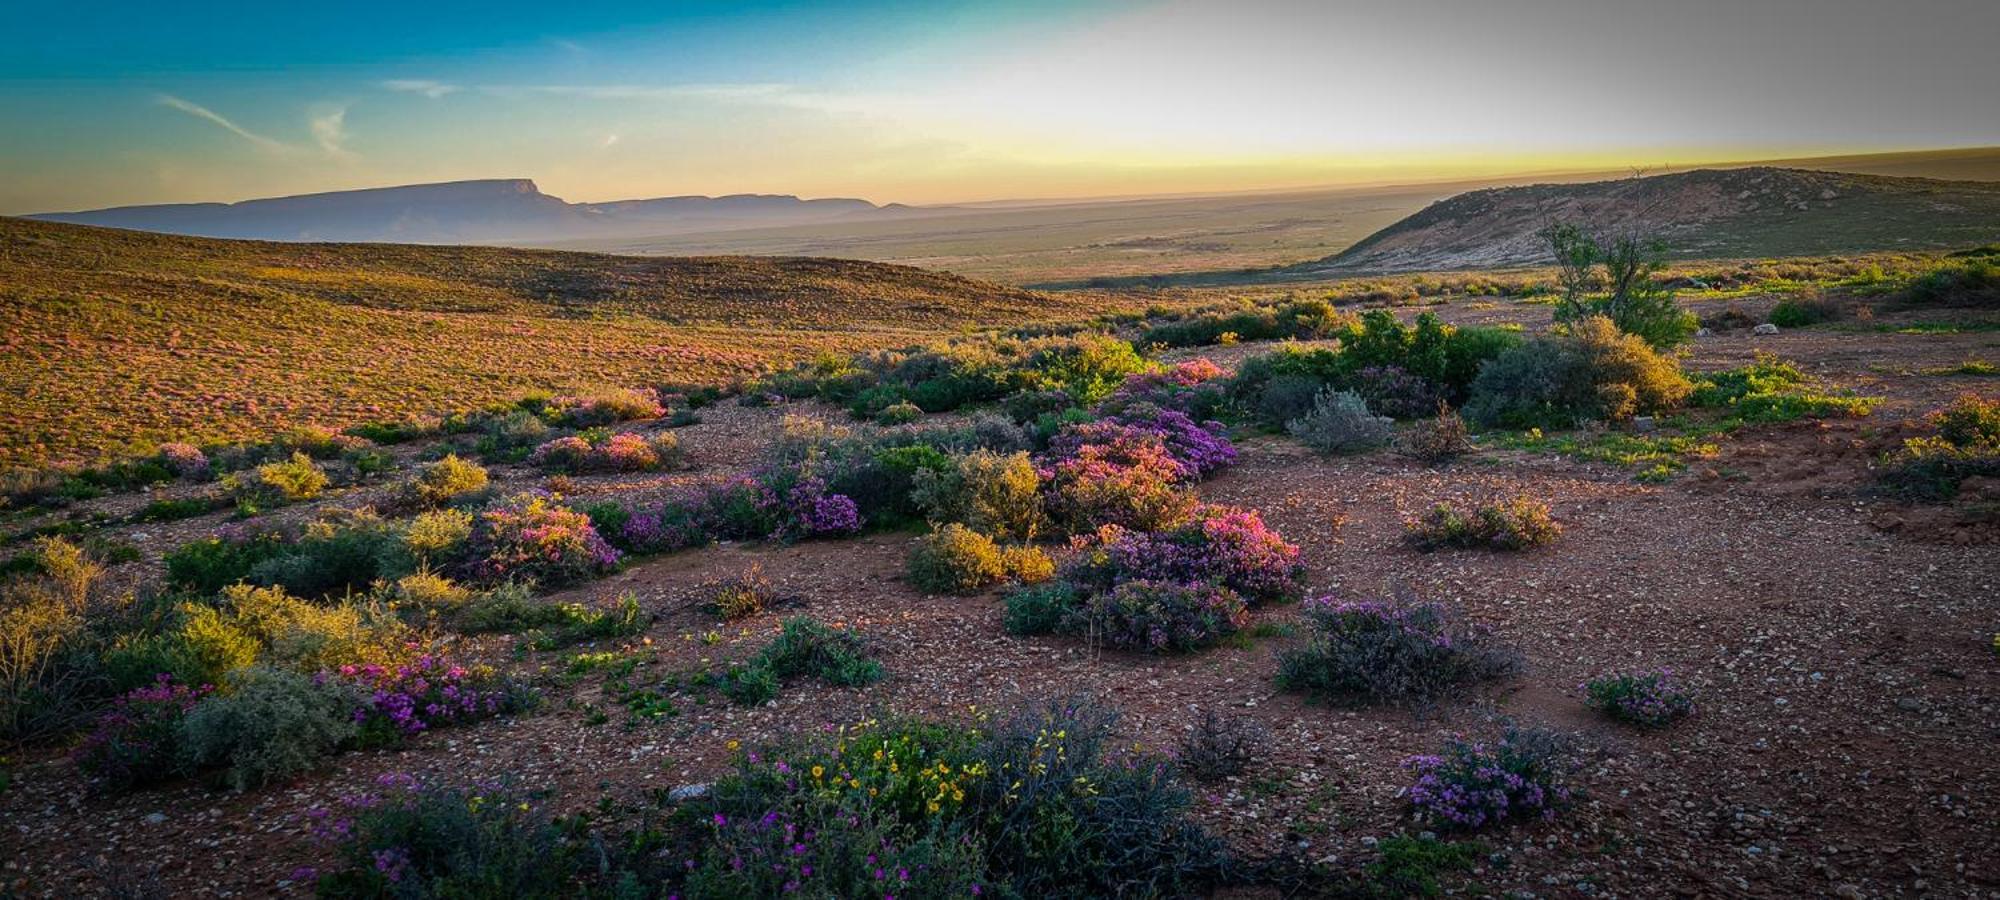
{"points": [[1706, 213], [497, 210]]}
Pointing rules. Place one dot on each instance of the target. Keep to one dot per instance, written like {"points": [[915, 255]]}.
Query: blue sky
{"points": [[112, 103]]}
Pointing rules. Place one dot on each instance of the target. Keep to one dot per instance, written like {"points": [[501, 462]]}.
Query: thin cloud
{"points": [[764, 92], [329, 130], [202, 112], [424, 86]]}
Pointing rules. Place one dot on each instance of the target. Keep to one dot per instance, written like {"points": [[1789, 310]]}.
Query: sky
{"points": [[117, 103]]}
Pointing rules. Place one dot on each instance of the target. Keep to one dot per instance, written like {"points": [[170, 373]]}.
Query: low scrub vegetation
{"points": [[1522, 776], [1519, 523], [1368, 652], [1965, 444], [1647, 699]]}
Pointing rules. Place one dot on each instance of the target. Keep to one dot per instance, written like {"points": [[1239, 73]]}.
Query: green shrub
{"points": [[1520, 523], [1041, 608], [1593, 372], [1967, 445], [574, 623], [955, 559], [341, 552], [1613, 277], [900, 413], [271, 726], [806, 647], [174, 510], [418, 840], [210, 564]]}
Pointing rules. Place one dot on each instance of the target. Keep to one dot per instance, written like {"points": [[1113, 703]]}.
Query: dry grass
{"points": [[115, 339]]}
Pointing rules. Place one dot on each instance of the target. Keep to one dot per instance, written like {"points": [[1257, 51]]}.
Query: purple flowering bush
{"points": [[137, 740], [1647, 699], [1110, 474], [1161, 616], [1471, 785], [531, 536], [429, 691], [1373, 651], [1196, 387], [1227, 546]]}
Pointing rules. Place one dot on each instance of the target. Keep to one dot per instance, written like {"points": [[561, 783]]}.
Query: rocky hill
{"points": [[1707, 213]]}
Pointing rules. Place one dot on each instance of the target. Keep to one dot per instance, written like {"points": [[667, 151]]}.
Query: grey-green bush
{"points": [[1341, 423], [273, 725]]}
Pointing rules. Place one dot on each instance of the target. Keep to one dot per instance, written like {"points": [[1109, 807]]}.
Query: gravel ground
{"points": [[1839, 644]]}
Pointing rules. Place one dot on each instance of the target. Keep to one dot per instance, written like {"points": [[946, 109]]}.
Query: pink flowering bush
{"points": [[1373, 651], [625, 451], [530, 536], [1161, 616], [138, 739], [429, 691], [1221, 545], [1128, 480], [186, 460], [1523, 775], [1195, 387]]}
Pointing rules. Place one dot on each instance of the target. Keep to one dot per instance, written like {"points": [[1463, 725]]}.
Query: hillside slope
{"points": [[1707, 213], [108, 336]]}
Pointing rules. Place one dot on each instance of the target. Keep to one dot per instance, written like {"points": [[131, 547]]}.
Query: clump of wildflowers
{"points": [[1228, 546], [532, 536], [1647, 699], [186, 460], [411, 838], [138, 739], [429, 691], [1471, 785], [625, 451]]}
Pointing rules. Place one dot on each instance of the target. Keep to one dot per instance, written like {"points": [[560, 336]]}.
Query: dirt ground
{"points": [[1839, 641]]}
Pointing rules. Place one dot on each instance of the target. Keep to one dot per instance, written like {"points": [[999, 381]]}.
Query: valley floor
{"points": [[1840, 645]]}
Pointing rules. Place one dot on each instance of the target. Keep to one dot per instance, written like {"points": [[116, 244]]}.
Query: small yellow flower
{"points": [[818, 772], [733, 744]]}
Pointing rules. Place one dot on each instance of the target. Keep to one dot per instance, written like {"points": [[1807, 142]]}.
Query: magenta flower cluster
{"points": [[1473, 785], [424, 693], [135, 740], [1140, 433]]}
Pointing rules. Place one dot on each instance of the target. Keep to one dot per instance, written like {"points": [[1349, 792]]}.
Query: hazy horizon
{"points": [[959, 102]]}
